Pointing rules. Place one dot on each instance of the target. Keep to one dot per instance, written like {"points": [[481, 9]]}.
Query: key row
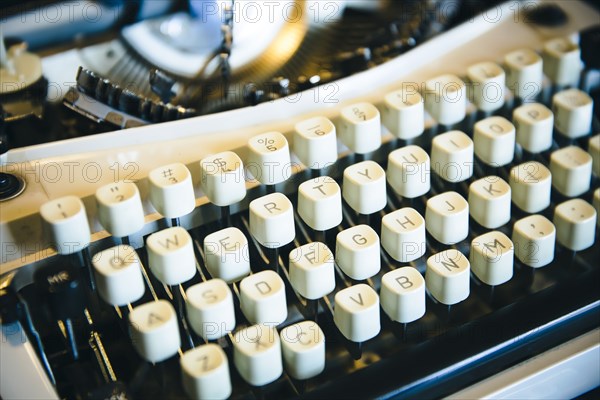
{"points": [[259, 351]]}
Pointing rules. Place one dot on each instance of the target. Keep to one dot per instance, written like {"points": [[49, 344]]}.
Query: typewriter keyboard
{"points": [[412, 265]]}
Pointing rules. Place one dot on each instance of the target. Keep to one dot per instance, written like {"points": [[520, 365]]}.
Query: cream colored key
{"points": [[494, 140], [533, 238], [320, 203], [303, 347], [452, 156], [524, 73], [357, 252], [534, 123], [596, 202], [68, 224], [272, 220], [257, 354], [171, 190], [487, 82], [154, 330], [356, 313], [575, 222], [120, 209], [403, 234], [571, 169], [364, 187], [491, 258], [447, 276], [446, 99], [312, 271], [408, 171], [594, 151], [223, 179], [359, 128], [205, 372], [118, 275], [171, 255], [489, 201], [447, 217], [562, 61], [403, 295], [530, 185], [315, 142], [226, 254], [262, 298], [573, 111], [210, 309], [269, 158], [404, 113]]}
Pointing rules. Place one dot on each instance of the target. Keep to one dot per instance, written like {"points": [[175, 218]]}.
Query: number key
{"points": [[120, 209]]}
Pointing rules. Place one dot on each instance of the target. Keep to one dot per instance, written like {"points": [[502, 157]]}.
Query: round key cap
{"points": [[533, 238], [404, 113], [575, 222], [573, 111], [530, 185], [364, 187], [571, 169], [534, 123], [171, 255], [272, 220], [119, 275], [403, 295], [492, 258], [487, 81], [320, 203], [356, 313], [447, 276], [68, 224], [171, 190], [489, 201], [446, 99], [210, 309], [269, 158], [452, 156], [315, 142], [403, 234], [223, 179], [524, 73], [120, 209], [447, 217], [311, 270], [359, 128], [154, 331], [562, 61], [205, 372], [257, 354], [303, 346], [226, 254], [262, 298], [408, 171], [494, 140], [357, 252]]}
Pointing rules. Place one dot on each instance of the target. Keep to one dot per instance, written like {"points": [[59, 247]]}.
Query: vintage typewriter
{"points": [[299, 199]]}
